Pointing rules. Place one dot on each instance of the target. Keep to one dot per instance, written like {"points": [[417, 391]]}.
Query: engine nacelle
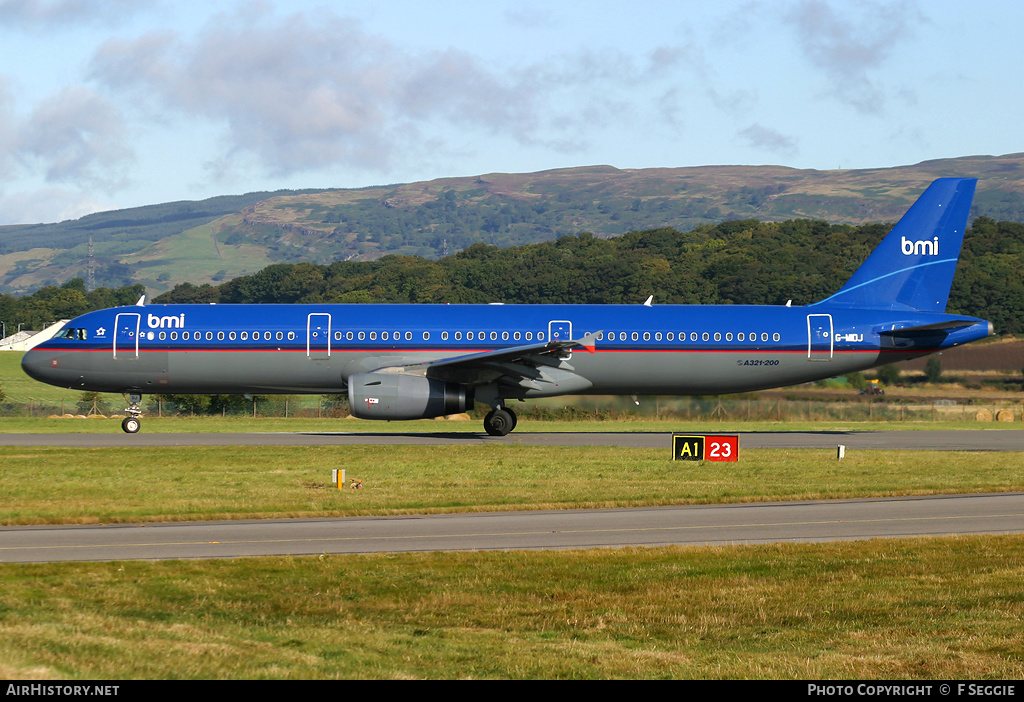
{"points": [[398, 396]]}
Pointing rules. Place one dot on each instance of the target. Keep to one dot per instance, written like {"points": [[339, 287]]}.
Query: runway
{"points": [[697, 525], [959, 440], [559, 529]]}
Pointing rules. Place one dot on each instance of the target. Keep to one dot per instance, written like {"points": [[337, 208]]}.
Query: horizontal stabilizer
{"points": [[938, 326]]}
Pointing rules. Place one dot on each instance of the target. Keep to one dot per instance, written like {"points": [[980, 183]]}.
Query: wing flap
{"points": [[535, 369]]}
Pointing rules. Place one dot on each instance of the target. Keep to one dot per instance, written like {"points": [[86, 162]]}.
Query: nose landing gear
{"points": [[131, 424]]}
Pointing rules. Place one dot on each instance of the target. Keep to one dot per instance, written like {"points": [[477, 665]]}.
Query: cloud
{"points": [[850, 49], [48, 14], [305, 92], [77, 137], [7, 129], [761, 137], [47, 204], [302, 95]]}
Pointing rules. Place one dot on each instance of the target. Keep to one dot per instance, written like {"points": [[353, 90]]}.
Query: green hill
{"points": [[222, 238]]}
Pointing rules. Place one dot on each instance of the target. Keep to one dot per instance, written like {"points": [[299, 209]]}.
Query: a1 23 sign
{"points": [[700, 447]]}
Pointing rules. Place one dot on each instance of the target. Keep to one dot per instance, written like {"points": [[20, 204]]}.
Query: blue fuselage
{"points": [[660, 349]]}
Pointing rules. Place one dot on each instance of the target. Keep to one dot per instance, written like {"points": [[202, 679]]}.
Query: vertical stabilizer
{"points": [[914, 264]]}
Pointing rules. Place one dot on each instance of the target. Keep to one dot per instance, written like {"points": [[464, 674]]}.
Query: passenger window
{"points": [[764, 336], [504, 336], [444, 336], [529, 336], [670, 336], [657, 336], [220, 336], [705, 336], [469, 336], [741, 336], [384, 336], [348, 336], [174, 336], [209, 336], [362, 335], [776, 336], [516, 336], [337, 336], [622, 336], [279, 336], [693, 336], [647, 336], [373, 336], [163, 335], [245, 336], [718, 336], [494, 336], [408, 336], [231, 335], [540, 336], [291, 336], [266, 336], [728, 336]]}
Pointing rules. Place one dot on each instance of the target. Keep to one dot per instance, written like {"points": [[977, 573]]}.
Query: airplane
{"points": [[402, 361]]}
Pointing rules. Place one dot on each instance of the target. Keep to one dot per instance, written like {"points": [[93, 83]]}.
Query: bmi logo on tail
{"points": [[920, 248]]}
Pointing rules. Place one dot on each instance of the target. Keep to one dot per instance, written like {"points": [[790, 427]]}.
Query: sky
{"points": [[120, 103]]}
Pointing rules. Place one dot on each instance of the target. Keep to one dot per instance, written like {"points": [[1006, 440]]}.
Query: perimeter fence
{"points": [[611, 409]]}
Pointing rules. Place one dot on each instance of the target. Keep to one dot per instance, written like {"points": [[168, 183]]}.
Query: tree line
{"points": [[52, 303]]}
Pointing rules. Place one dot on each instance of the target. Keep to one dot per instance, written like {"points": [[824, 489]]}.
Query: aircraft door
{"points": [[126, 335], [819, 337], [560, 330], [318, 336]]}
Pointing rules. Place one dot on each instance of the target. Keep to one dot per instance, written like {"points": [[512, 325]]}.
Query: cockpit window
{"points": [[71, 333]]}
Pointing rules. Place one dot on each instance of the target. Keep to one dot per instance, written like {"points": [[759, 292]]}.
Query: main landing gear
{"points": [[500, 421], [131, 424]]}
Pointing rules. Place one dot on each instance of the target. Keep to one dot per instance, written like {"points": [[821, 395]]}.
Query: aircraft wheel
{"points": [[131, 425], [499, 422]]}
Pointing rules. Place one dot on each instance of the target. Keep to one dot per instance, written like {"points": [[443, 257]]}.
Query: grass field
{"points": [[943, 608], [935, 609], [110, 485]]}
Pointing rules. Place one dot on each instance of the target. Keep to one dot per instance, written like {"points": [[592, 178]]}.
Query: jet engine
{"points": [[398, 396]]}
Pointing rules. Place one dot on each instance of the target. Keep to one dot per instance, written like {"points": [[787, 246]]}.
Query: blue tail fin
{"points": [[913, 266]]}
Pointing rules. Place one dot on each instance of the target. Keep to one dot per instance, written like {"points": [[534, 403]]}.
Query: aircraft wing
{"points": [[531, 369]]}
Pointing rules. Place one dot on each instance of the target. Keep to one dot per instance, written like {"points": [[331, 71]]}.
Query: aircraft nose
{"points": [[40, 365]]}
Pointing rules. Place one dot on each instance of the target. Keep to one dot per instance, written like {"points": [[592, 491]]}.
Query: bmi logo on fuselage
{"points": [[920, 248], [168, 322]]}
